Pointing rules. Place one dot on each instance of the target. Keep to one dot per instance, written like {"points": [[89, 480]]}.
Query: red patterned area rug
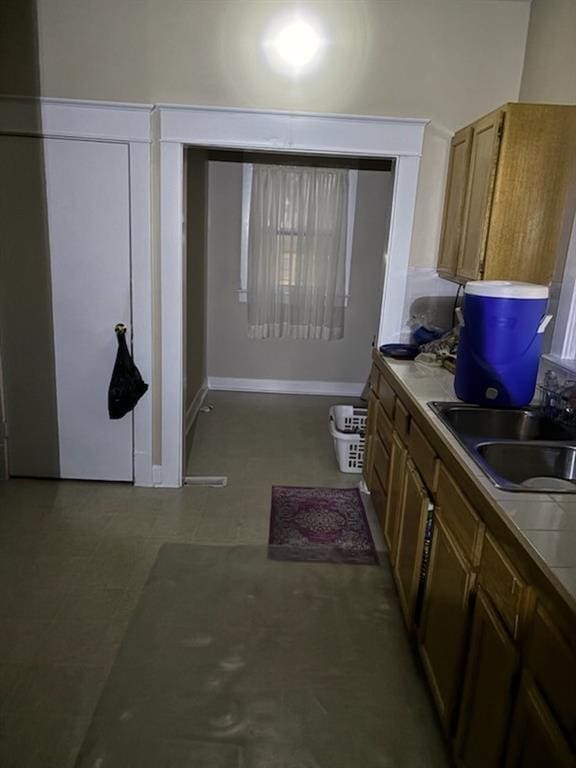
{"points": [[326, 525]]}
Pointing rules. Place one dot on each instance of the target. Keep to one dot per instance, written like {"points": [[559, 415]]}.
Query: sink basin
{"points": [[530, 466], [520, 449], [500, 424]]}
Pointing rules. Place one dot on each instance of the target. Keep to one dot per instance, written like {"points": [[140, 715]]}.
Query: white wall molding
{"points": [[306, 132], [194, 408], [172, 314], [177, 126], [287, 386], [69, 118], [141, 284]]}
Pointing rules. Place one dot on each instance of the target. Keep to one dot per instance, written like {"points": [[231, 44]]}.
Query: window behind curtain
{"points": [[297, 252]]}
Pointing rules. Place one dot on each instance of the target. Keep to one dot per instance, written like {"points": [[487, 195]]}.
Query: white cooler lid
{"points": [[506, 289]]}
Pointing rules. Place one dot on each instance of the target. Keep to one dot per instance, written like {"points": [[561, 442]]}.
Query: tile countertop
{"points": [[546, 522]]}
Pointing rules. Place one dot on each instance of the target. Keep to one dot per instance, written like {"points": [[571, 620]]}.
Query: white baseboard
{"points": [[194, 407], [287, 386]]}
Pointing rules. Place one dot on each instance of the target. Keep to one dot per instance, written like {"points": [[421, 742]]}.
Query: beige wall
{"points": [[448, 60], [231, 353], [550, 64]]}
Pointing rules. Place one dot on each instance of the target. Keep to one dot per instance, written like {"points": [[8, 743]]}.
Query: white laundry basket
{"points": [[348, 427]]}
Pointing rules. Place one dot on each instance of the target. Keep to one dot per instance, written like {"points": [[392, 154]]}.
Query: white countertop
{"points": [[547, 521]]}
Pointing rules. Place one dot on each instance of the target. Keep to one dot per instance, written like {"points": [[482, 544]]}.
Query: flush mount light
{"points": [[294, 46]]}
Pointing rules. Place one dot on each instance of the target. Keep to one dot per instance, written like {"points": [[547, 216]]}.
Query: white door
{"points": [[68, 264]]}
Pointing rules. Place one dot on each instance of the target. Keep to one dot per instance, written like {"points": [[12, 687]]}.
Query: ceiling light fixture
{"points": [[294, 46]]}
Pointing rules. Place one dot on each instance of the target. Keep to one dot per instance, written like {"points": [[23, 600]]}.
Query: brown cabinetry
{"points": [[509, 196], [551, 659], [536, 740], [491, 669], [411, 530], [445, 619], [454, 200], [390, 529], [495, 643], [370, 435]]}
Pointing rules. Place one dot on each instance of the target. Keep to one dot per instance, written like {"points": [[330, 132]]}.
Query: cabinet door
{"points": [[454, 201], [445, 619], [370, 437], [536, 740], [380, 472], [65, 237], [395, 491], [491, 668], [483, 162], [412, 527]]}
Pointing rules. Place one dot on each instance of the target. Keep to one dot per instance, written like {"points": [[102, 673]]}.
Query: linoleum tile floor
{"points": [[74, 557]]}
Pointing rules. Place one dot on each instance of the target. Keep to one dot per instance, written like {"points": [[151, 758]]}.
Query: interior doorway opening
{"points": [[218, 354]]}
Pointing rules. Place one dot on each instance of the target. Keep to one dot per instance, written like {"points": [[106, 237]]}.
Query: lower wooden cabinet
{"points": [[497, 652], [380, 471], [397, 475], [370, 438], [536, 741], [491, 673], [445, 621], [550, 656], [411, 531]]}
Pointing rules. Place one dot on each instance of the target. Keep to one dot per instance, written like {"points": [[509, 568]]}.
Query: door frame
{"points": [[127, 124], [177, 127]]}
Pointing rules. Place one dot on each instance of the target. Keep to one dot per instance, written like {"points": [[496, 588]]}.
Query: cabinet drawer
{"points": [[423, 455], [384, 427], [387, 396], [464, 523], [381, 463], [401, 420], [502, 583], [553, 664]]}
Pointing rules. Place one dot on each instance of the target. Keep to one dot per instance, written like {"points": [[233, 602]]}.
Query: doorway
{"points": [[218, 353], [285, 132]]}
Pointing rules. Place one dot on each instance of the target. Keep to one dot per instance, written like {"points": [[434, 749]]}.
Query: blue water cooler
{"points": [[500, 342]]}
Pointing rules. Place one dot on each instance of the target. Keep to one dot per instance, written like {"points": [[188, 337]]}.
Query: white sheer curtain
{"points": [[297, 252]]}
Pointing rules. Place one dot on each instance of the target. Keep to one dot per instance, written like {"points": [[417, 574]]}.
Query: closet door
{"points": [[74, 195]]}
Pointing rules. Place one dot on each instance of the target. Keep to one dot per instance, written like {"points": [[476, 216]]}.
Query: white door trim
{"points": [[128, 124], [178, 126]]}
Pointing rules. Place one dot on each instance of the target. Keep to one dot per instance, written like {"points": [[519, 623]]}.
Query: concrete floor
{"points": [[74, 557]]}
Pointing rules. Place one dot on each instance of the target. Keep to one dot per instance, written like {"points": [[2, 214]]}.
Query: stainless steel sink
{"points": [[531, 466], [500, 424], [519, 449]]}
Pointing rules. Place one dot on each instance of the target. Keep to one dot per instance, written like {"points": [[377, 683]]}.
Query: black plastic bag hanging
{"points": [[126, 385]]}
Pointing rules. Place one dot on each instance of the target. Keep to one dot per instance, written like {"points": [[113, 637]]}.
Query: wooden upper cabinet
{"points": [[455, 199], [482, 174], [519, 199], [534, 194]]}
